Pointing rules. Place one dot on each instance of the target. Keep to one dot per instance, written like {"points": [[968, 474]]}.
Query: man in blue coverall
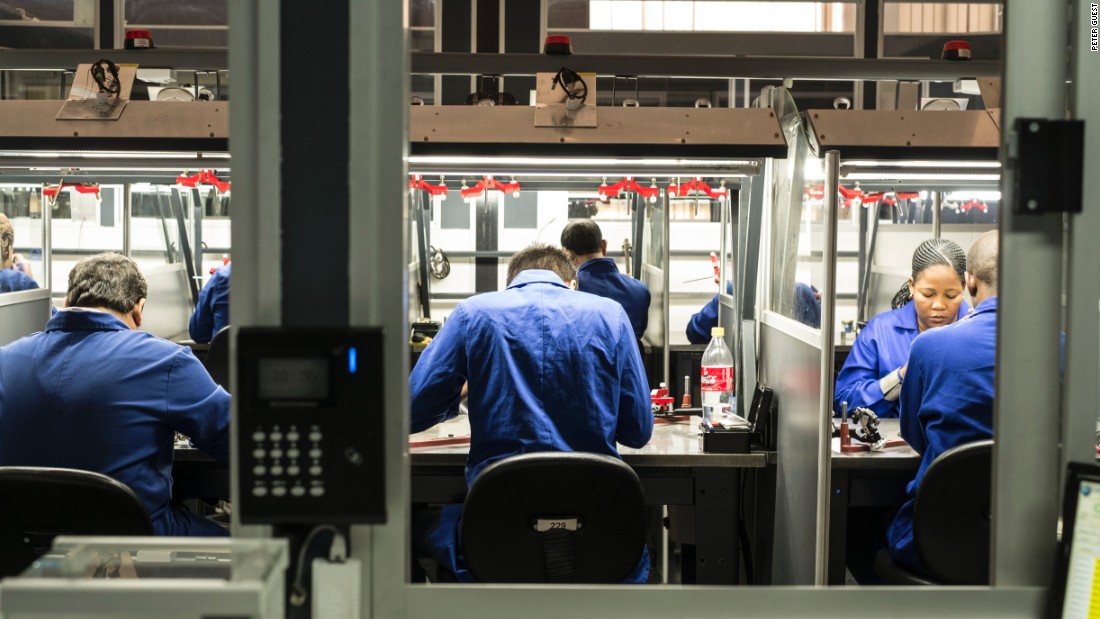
{"points": [[947, 394], [12, 276], [212, 310], [92, 392], [549, 369], [597, 274]]}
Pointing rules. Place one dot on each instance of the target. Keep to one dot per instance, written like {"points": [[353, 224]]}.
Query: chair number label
{"points": [[557, 524]]}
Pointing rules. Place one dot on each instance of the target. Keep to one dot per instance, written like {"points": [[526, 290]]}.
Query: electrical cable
{"points": [[572, 83], [338, 553], [438, 264], [105, 74]]}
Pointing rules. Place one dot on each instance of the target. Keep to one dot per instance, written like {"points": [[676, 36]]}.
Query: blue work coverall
{"points": [[601, 277], [13, 280], [549, 369], [881, 347], [946, 401], [807, 309], [212, 310], [90, 393]]}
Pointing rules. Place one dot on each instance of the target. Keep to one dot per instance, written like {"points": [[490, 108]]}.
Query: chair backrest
{"points": [[217, 358], [951, 517], [38, 504], [513, 498]]}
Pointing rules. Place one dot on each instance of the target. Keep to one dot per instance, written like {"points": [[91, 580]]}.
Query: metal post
{"points": [[1025, 457], [828, 332], [47, 240], [937, 213], [1083, 287], [666, 283], [378, 274], [127, 214]]}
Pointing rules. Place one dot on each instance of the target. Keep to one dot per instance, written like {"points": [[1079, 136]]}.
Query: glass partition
{"points": [[22, 205], [82, 223], [798, 231]]}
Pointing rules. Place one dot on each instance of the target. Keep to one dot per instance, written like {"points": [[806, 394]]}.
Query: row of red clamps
{"points": [[204, 177], [51, 192], [482, 186]]}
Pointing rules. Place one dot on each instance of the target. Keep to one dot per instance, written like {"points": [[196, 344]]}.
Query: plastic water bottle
{"points": [[716, 379]]}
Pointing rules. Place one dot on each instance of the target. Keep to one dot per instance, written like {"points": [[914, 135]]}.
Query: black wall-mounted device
{"points": [[310, 427]]}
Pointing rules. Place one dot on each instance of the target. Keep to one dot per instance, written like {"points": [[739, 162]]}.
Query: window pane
{"points": [[567, 13], [45, 37], [422, 40], [40, 10], [942, 18], [422, 13], [175, 13]]}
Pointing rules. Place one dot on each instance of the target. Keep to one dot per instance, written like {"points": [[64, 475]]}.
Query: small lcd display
{"points": [[293, 378]]}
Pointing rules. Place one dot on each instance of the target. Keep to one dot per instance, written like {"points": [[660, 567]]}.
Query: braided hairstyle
{"points": [[931, 253]]}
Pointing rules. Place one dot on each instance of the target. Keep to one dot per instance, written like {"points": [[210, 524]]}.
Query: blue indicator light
{"points": [[353, 360]]}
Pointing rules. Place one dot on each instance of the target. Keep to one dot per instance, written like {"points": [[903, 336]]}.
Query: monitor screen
{"points": [[1080, 555], [293, 378]]}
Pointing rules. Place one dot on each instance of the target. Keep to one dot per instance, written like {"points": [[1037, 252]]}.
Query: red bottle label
{"points": [[716, 379]]}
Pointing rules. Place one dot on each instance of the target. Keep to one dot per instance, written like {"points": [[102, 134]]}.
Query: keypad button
{"points": [[315, 436], [259, 469], [314, 453], [292, 436], [276, 436], [293, 470], [315, 470], [276, 453], [298, 491], [276, 470], [258, 436], [258, 453], [259, 490], [278, 491], [293, 453], [317, 491]]}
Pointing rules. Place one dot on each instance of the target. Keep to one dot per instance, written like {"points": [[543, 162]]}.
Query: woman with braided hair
{"points": [[933, 297]]}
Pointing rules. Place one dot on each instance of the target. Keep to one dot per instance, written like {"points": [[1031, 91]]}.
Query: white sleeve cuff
{"points": [[891, 386]]}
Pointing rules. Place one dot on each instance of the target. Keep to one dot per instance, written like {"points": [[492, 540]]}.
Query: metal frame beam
{"points": [[791, 67]]}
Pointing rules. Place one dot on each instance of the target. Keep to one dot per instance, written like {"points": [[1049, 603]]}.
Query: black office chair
{"points": [[554, 517], [38, 504], [217, 358], [951, 521]]}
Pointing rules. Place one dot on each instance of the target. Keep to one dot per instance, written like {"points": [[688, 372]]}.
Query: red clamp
{"points": [[418, 182], [225, 261], [490, 183], [629, 184], [714, 264], [661, 403], [981, 206], [51, 192], [203, 177], [907, 195], [697, 185]]}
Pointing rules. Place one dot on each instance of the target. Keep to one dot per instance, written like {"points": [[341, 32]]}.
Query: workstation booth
{"points": [[361, 221]]}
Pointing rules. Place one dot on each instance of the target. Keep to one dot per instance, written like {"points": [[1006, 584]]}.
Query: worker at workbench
{"points": [[548, 368], [933, 297], [15, 272], [93, 392], [807, 309], [212, 309], [947, 396], [597, 274]]}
